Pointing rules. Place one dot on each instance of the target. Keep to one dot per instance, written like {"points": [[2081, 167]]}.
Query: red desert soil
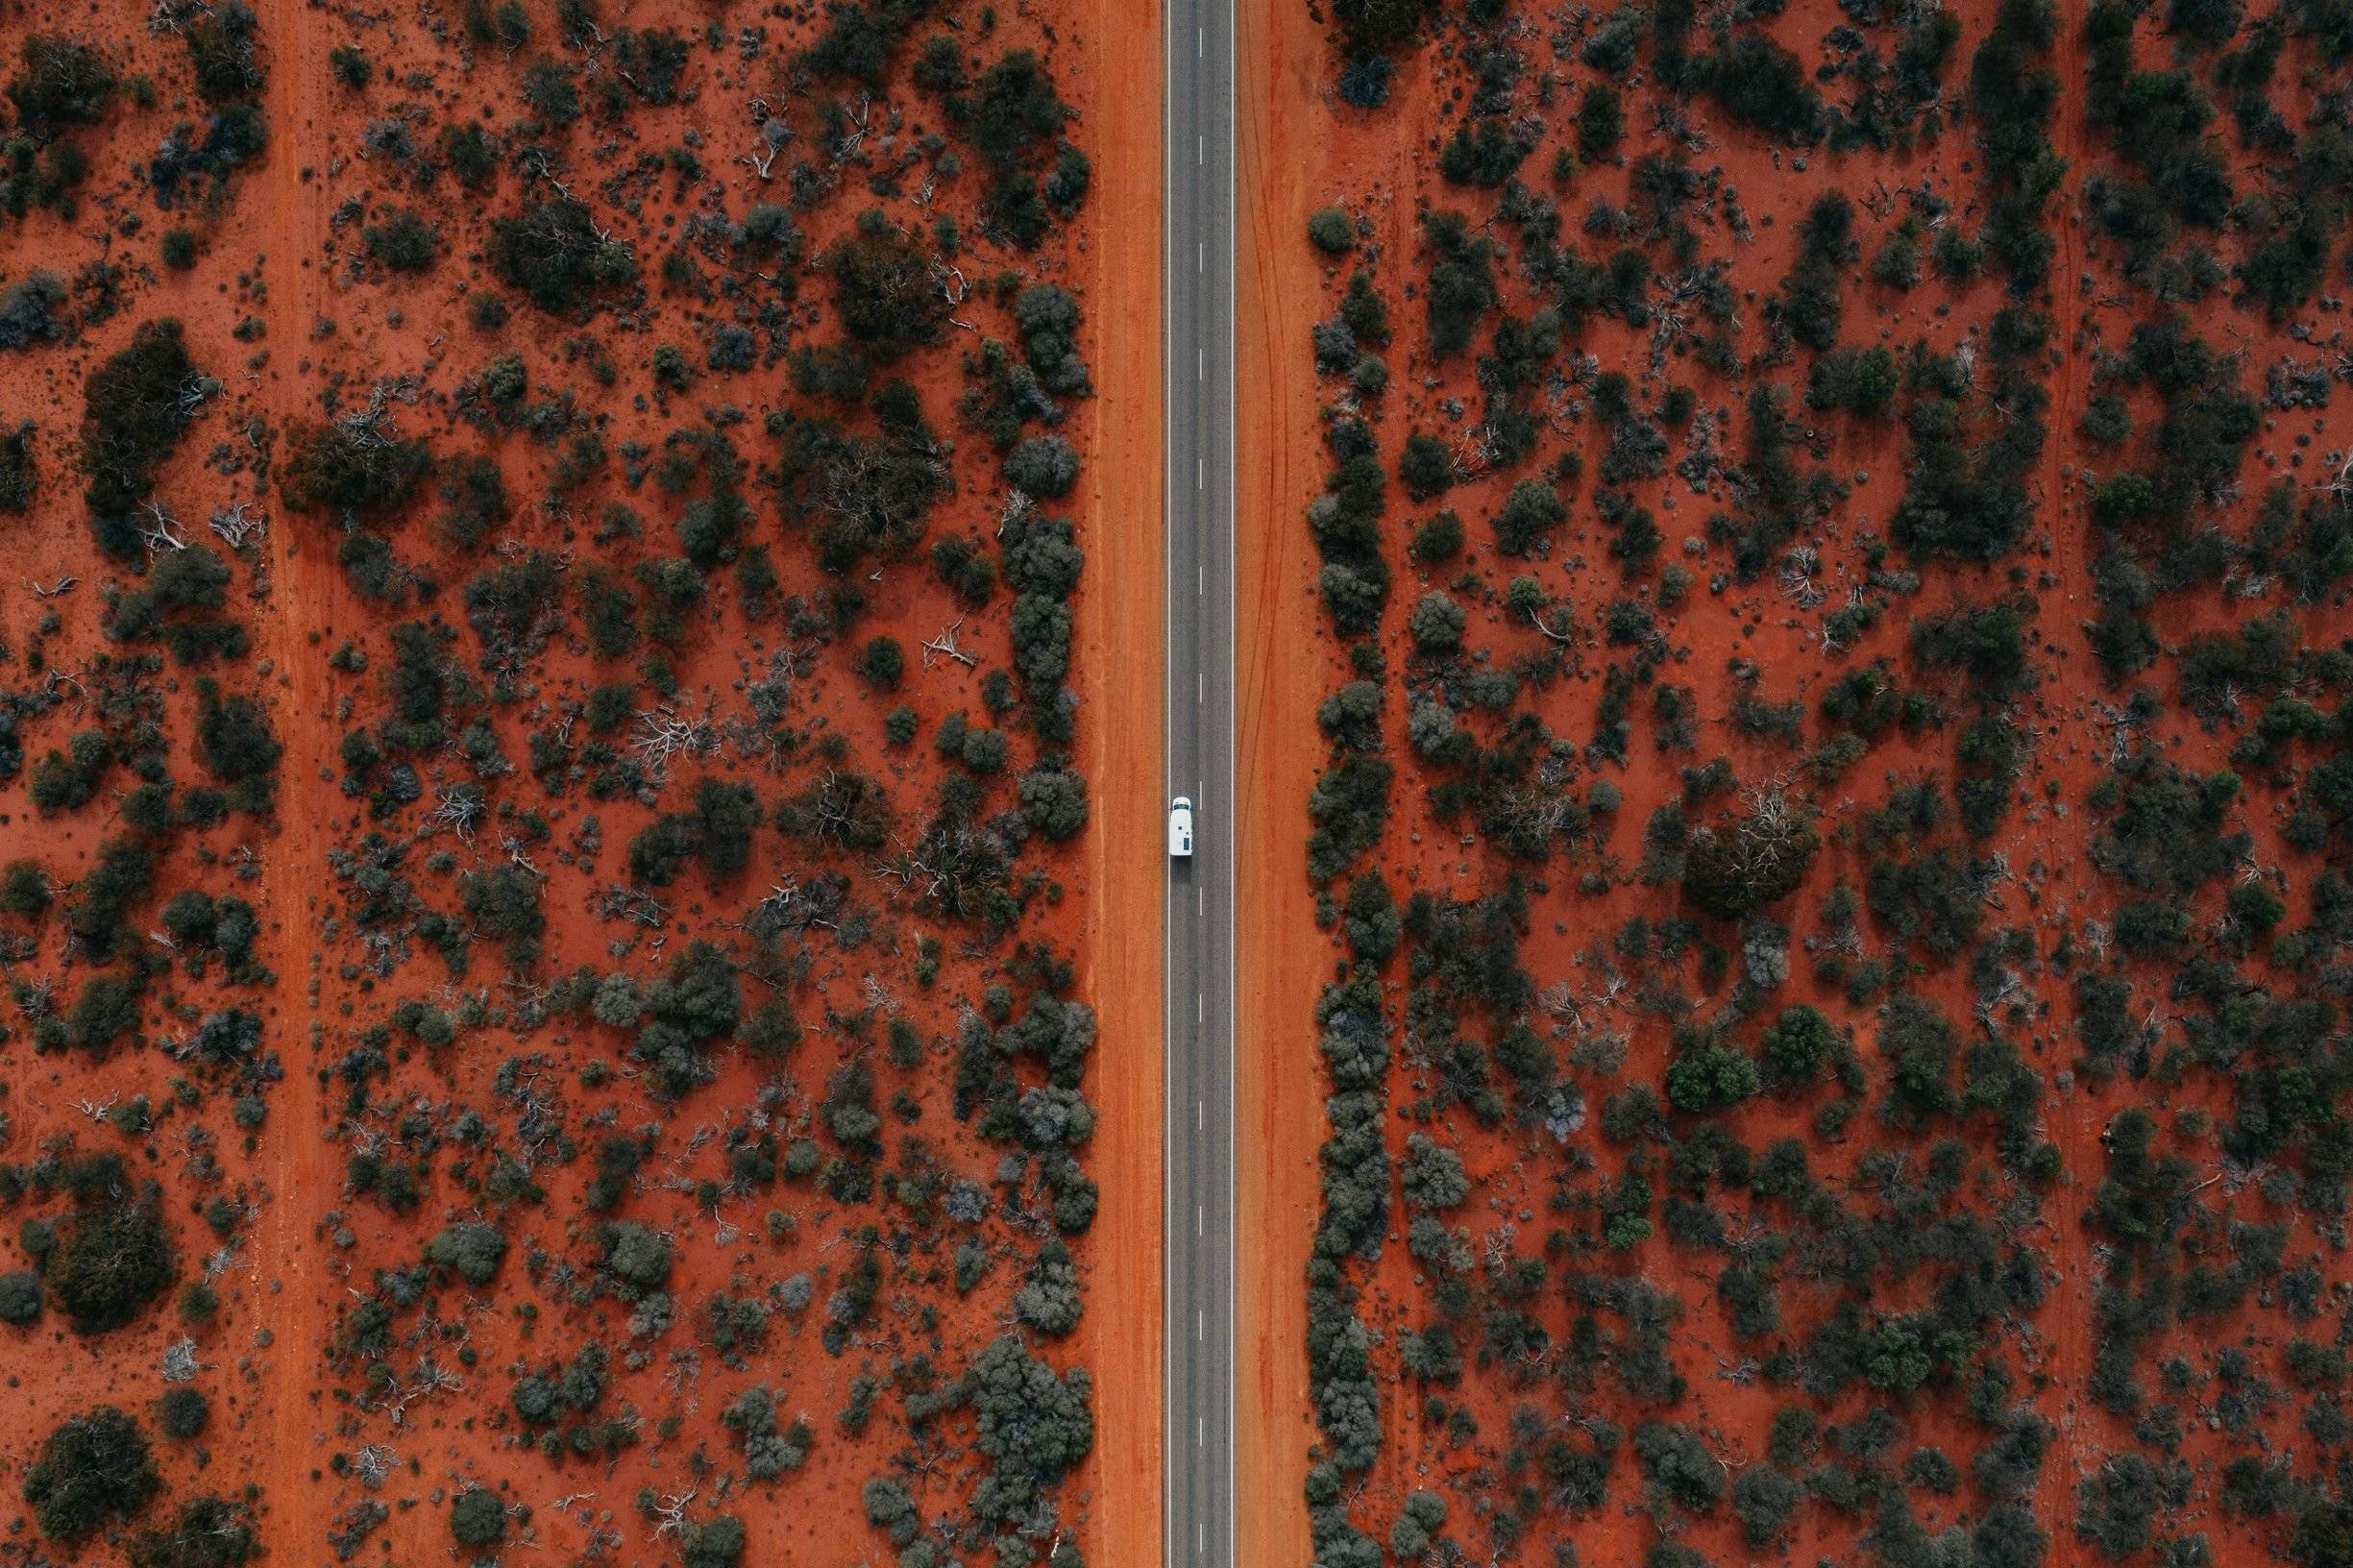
{"points": [[1120, 615], [1300, 150], [297, 1301], [284, 1415], [1280, 74]]}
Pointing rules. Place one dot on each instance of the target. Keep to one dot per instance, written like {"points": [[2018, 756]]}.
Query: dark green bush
{"points": [[182, 1412], [135, 407], [349, 470], [883, 290], [556, 253], [476, 1517], [93, 1470], [19, 478], [208, 1531], [882, 663], [1331, 232], [60, 83], [402, 241]]}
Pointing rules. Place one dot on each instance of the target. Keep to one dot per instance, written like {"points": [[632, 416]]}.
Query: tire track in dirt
{"points": [[2068, 393], [1278, 679], [1119, 619], [287, 1275], [2076, 1122]]}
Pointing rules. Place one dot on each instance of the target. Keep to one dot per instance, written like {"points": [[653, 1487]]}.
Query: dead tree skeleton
{"points": [[234, 525], [943, 646]]}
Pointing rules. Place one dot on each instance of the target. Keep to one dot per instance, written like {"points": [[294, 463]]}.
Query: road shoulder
{"points": [[1120, 626]]}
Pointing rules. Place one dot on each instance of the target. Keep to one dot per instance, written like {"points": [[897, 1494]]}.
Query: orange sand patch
{"points": [[1119, 619]]}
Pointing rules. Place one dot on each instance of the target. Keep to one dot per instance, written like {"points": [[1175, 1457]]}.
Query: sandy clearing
{"points": [[1119, 619], [1278, 683]]}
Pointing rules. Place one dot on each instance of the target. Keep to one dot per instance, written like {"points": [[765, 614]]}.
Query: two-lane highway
{"points": [[1199, 327]]}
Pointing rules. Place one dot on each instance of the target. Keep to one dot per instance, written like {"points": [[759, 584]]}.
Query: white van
{"points": [[1181, 827]]}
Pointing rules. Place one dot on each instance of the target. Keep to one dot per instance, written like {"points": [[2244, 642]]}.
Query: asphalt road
{"points": [[1199, 328]]}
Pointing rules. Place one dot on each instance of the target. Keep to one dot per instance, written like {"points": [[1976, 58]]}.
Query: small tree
{"points": [[503, 904], [883, 664], [1045, 466], [182, 1413], [557, 255], [1743, 866], [1710, 1077], [1436, 623], [1797, 1045], [20, 1297], [61, 81], [28, 310], [1329, 231], [1533, 511], [1048, 1300], [727, 813], [711, 1543], [19, 477], [470, 1248], [1601, 123], [891, 1510], [351, 467], [1425, 466], [1054, 801], [403, 242], [135, 407], [476, 1517], [114, 1257], [882, 288], [93, 1469], [207, 1532]]}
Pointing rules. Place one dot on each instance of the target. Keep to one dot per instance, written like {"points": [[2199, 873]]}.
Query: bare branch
{"points": [[235, 527], [945, 646]]}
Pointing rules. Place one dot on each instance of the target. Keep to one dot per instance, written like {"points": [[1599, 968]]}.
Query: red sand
{"points": [[281, 1411], [1280, 176], [1119, 620]]}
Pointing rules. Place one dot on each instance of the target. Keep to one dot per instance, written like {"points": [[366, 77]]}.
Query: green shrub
{"points": [[208, 1531], [19, 478], [348, 469], [180, 1413], [883, 664], [1331, 232], [472, 1249], [476, 1517], [554, 252], [20, 1297], [135, 407], [92, 1470], [114, 1257], [1601, 124], [61, 81], [402, 241]]}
